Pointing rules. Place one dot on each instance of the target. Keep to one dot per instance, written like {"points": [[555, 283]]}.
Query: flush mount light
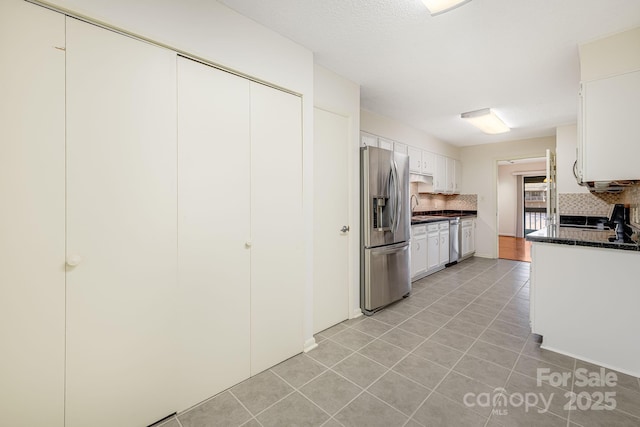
{"points": [[436, 7], [486, 120]]}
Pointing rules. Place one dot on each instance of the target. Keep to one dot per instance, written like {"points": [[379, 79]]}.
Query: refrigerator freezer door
{"points": [[387, 271], [385, 197]]}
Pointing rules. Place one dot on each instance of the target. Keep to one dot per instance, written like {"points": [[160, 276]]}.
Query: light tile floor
{"points": [[463, 330]]}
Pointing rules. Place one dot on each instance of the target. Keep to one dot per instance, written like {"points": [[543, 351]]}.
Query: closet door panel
{"points": [[122, 222], [277, 251], [32, 234], [213, 229]]}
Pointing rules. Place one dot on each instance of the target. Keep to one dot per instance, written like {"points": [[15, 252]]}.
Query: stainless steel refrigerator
{"points": [[385, 264]]}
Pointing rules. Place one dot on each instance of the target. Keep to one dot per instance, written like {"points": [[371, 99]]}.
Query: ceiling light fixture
{"points": [[436, 7], [486, 120]]}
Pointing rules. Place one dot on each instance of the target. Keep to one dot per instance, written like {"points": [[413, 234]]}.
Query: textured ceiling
{"points": [[519, 57]]}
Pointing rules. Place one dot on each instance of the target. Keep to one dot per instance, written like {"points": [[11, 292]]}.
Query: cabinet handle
{"points": [[248, 243]]}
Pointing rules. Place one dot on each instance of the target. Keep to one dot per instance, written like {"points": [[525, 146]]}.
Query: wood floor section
{"points": [[515, 248]]}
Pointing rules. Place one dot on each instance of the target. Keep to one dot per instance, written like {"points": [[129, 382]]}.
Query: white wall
{"points": [[341, 96], [215, 33], [566, 144], [479, 176], [617, 54], [392, 129], [508, 194]]}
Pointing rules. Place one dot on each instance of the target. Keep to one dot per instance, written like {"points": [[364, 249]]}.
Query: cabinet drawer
{"points": [[433, 227], [418, 230], [467, 223], [444, 225]]}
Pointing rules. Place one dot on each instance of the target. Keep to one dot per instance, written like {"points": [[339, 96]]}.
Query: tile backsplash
{"points": [[432, 202], [587, 204], [596, 204]]}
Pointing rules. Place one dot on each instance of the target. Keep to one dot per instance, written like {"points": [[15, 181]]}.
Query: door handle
{"points": [[344, 229], [73, 260]]}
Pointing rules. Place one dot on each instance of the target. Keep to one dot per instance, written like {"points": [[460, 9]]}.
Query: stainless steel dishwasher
{"points": [[454, 240]]}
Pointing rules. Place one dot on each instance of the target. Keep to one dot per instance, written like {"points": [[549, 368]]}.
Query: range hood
{"points": [[607, 186], [425, 179], [425, 182]]}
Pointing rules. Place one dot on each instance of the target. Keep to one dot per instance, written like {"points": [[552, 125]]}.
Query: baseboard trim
{"points": [[356, 313], [309, 345]]}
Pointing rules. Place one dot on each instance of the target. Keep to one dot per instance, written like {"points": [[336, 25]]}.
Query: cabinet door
{"points": [[465, 240], [367, 140], [213, 227], [440, 174], [385, 143], [444, 246], [399, 147], [418, 256], [121, 219], [451, 175], [277, 244], [428, 162], [415, 160], [457, 177], [32, 234], [433, 250], [610, 128]]}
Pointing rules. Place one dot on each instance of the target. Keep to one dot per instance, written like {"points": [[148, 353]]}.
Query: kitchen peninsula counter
{"points": [[584, 294], [595, 238]]}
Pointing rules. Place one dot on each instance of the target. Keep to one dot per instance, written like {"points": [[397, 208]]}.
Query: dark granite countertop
{"points": [[425, 217], [580, 237]]}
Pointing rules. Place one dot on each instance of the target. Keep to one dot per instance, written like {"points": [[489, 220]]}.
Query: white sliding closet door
{"points": [[122, 222], [213, 229], [277, 251], [32, 216]]}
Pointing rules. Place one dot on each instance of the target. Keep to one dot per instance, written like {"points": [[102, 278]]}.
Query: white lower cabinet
{"points": [[153, 180], [418, 251], [429, 248], [468, 237]]}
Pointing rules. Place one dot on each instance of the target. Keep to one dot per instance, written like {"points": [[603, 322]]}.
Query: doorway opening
{"points": [[534, 202], [520, 183]]}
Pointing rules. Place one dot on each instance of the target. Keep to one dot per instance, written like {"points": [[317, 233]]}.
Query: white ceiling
{"points": [[519, 57]]}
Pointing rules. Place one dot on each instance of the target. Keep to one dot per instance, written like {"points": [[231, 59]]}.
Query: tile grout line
{"points": [[465, 353], [254, 417]]}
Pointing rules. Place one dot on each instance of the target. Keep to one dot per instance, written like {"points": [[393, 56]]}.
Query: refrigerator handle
{"points": [[398, 196]]}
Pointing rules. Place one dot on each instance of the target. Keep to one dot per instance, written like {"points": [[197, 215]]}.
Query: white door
{"points": [[213, 228], [121, 220], [277, 243], [331, 217], [32, 216]]}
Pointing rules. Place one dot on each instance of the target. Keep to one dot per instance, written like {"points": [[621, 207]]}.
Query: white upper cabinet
{"points": [[367, 140], [428, 163], [457, 176], [32, 218], [385, 143], [399, 147], [440, 175], [608, 147], [421, 162], [415, 160]]}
